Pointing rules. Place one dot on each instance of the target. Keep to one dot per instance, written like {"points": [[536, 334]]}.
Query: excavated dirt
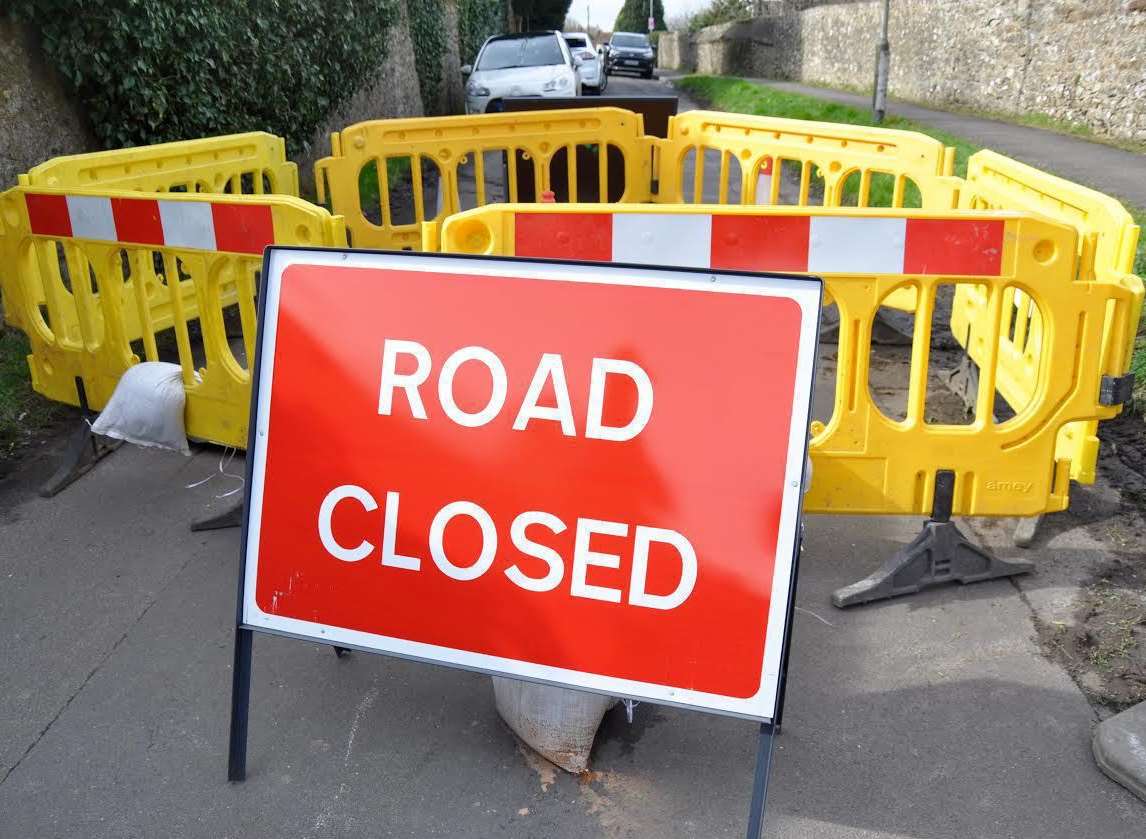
{"points": [[1103, 644], [1104, 649]]}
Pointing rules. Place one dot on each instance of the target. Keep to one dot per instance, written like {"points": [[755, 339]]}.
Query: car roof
{"points": [[515, 36], [641, 34]]}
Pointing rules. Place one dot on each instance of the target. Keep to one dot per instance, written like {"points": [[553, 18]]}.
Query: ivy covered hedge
{"points": [[428, 33], [478, 20], [149, 71]]}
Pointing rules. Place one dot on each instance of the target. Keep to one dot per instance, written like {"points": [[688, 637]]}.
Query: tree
{"points": [[540, 14], [720, 11], [634, 16]]}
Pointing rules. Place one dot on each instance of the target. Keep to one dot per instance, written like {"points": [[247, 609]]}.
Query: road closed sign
{"points": [[582, 474]]}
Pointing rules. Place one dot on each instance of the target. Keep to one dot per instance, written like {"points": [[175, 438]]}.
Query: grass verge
{"points": [[739, 96], [23, 412], [369, 190], [1032, 120], [723, 93]]}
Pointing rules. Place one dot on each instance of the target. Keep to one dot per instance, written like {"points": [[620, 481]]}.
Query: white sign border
{"points": [[806, 292]]}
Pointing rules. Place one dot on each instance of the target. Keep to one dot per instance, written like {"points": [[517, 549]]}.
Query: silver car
{"points": [[525, 64], [592, 66]]}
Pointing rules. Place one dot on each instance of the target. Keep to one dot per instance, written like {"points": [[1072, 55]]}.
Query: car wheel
{"points": [[647, 74]]}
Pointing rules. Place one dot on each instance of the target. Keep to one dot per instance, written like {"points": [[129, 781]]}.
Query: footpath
{"points": [[935, 715]]}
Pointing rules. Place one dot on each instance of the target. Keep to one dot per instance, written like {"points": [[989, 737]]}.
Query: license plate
{"points": [[633, 63]]}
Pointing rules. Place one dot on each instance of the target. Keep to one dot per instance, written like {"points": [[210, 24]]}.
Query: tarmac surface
{"points": [[929, 716]]}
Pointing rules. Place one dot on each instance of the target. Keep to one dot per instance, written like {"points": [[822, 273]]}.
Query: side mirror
{"points": [[467, 69], [578, 61]]}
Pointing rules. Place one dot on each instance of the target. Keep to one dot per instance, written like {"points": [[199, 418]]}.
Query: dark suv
{"points": [[630, 52]]}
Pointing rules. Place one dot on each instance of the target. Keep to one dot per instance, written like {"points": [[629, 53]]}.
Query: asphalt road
{"points": [[931, 716]]}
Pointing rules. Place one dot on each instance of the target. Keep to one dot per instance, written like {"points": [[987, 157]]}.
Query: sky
{"points": [[602, 13]]}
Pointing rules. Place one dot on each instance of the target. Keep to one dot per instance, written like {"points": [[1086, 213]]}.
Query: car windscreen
{"points": [[629, 41], [577, 42], [535, 51]]}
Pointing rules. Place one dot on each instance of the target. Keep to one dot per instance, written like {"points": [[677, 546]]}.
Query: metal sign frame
{"points": [[806, 292]]}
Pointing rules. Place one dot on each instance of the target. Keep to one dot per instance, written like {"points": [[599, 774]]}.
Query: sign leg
{"points": [[760, 780], [240, 705]]}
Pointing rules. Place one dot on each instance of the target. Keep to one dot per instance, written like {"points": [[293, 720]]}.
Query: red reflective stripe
{"points": [[587, 236], [954, 247], [137, 220], [766, 166], [772, 243], [760, 243], [242, 228], [48, 214]]}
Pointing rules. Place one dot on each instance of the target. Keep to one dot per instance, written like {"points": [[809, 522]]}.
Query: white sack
{"points": [[557, 722], [147, 408]]}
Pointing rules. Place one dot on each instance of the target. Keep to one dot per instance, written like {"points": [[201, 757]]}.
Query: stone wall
{"points": [[749, 48], [37, 119], [676, 51], [1081, 61]]}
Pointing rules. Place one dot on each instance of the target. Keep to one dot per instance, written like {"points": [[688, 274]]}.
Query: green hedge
{"points": [[428, 32], [634, 16], [150, 71], [720, 11], [478, 20]]}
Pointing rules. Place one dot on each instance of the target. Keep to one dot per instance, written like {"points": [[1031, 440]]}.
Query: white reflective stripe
{"points": [[852, 245], [651, 239], [187, 224], [763, 189], [91, 217]]}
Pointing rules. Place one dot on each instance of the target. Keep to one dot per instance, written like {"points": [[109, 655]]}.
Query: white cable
{"points": [[224, 461]]}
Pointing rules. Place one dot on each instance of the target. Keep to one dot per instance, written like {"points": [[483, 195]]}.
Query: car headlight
{"points": [[475, 89], [559, 83]]}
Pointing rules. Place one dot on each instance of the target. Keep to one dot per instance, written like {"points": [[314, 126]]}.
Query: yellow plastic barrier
{"points": [[839, 163], [102, 280], [1048, 325], [253, 163], [771, 160], [455, 163], [1107, 240], [865, 459]]}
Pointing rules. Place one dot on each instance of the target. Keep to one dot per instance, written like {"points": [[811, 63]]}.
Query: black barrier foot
{"points": [[341, 652], [939, 554], [231, 517], [84, 450]]}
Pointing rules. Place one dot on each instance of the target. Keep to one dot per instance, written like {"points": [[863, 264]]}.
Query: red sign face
{"points": [[579, 474]]}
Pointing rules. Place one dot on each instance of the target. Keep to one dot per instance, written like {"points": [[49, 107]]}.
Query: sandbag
{"points": [[559, 723], [147, 408]]}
